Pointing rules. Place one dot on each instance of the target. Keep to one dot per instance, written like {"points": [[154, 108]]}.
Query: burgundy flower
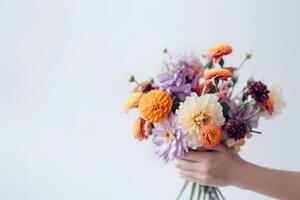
{"points": [[236, 129], [259, 91]]}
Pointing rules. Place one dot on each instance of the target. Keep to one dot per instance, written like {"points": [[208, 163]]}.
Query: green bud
{"points": [[131, 79], [152, 80], [248, 56]]}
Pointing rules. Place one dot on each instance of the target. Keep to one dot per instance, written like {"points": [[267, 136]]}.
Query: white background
{"points": [[63, 78]]}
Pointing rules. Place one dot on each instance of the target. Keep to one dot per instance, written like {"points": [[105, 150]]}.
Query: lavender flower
{"points": [[170, 142], [243, 112], [182, 76]]}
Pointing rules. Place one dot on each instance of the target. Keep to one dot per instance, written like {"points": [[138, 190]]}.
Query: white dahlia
{"points": [[196, 112], [277, 101]]}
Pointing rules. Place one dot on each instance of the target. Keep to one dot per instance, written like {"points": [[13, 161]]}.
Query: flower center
{"points": [[168, 135], [202, 119]]}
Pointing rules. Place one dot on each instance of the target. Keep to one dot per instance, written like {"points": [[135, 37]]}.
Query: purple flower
{"points": [[170, 142], [182, 76], [243, 113]]}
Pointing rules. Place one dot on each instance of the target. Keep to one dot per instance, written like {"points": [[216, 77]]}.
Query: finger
{"points": [[186, 165], [196, 155], [190, 179], [190, 174]]}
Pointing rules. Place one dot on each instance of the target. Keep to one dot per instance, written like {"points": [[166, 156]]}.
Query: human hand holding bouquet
{"points": [[191, 110]]}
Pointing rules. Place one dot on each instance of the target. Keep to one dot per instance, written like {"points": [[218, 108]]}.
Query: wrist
{"points": [[244, 173]]}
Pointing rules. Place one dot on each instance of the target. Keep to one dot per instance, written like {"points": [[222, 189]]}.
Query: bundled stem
{"points": [[204, 192]]}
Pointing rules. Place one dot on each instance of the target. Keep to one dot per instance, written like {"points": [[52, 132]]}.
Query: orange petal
{"points": [[219, 50], [155, 105], [220, 73], [132, 102], [210, 136]]}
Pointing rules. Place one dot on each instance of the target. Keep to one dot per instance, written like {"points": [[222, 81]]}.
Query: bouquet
{"points": [[191, 106]]}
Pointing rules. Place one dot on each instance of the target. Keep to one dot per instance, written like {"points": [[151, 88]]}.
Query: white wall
{"points": [[63, 71]]}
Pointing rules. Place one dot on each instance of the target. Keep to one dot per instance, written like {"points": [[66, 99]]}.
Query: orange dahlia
{"points": [[139, 129], [155, 105], [216, 52], [132, 102], [220, 73], [210, 136]]}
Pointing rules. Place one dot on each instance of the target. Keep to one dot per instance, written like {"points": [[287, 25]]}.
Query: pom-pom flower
{"points": [[141, 129], [258, 91], [170, 142], [196, 112], [236, 129], [220, 73], [210, 136], [155, 105], [218, 51], [275, 104]]}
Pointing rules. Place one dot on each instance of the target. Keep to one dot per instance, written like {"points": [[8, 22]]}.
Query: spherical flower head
{"points": [[258, 91], [132, 102], [220, 73], [155, 105], [170, 142], [218, 51], [196, 112], [140, 129], [275, 104], [236, 129], [210, 136]]}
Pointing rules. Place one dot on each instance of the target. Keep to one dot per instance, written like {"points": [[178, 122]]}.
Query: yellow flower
{"points": [[196, 112], [155, 105], [132, 102], [216, 52]]}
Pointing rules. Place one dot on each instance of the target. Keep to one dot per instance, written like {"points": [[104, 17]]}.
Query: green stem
{"points": [[220, 193], [199, 192], [192, 191], [182, 189]]}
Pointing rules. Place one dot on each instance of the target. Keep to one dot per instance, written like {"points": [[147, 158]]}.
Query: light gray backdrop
{"points": [[63, 71]]}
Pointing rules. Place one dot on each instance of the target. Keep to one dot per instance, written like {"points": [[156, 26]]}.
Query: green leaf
{"points": [[226, 109], [221, 63], [182, 189], [193, 191], [175, 103]]}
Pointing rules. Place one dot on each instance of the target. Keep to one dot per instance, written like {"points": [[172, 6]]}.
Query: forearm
{"points": [[275, 183]]}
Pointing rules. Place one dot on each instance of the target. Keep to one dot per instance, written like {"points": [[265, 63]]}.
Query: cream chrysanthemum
{"points": [[277, 101], [196, 112]]}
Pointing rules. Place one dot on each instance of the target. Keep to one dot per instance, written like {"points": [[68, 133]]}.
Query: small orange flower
{"points": [[205, 85], [268, 106], [210, 136], [139, 129], [220, 73], [219, 50], [132, 102], [155, 105]]}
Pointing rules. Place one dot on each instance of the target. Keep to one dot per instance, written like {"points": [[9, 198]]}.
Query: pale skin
{"points": [[224, 167]]}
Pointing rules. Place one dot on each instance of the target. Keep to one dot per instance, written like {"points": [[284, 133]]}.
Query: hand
{"points": [[220, 167]]}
